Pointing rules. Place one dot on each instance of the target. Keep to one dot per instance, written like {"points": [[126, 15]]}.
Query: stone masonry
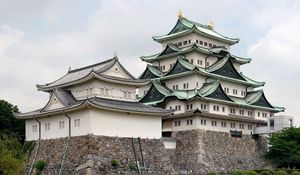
{"points": [[197, 152]]}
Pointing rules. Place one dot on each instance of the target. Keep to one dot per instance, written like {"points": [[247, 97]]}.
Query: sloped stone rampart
{"points": [[197, 152]]}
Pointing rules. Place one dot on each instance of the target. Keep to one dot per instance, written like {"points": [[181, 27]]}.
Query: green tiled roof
{"points": [[183, 50], [185, 26], [190, 69], [151, 72], [211, 91]]}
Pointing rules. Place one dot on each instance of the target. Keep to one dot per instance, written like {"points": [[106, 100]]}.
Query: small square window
{"points": [[77, 122]]}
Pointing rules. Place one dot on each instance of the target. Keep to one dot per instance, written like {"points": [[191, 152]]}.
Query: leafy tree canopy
{"points": [[285, 148], [8, 123]]}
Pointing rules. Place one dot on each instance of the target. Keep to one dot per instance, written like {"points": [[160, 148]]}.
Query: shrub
{"points": [[295, 173], [40, 165], [266, 173], [114, 163], [281, 172], [250, 172], [132, 166], [238, 172], [212, 173]]}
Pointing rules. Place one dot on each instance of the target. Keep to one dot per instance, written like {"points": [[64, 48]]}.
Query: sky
{"points": [[40, 40]]}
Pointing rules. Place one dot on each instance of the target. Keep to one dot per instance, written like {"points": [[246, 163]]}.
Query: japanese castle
{"points": [[196, 75], [193, 83]]}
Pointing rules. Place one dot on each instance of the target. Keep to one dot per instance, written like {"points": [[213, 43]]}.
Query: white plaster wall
{"points": [[110, 123], [232, 86], [256, 111], [166, 62], [208, 126], [191, 79], [29, 134], [94, 89], [117, 71], [143, 91], [173, 103], [54, 103], [193, 37], [211, 108]]}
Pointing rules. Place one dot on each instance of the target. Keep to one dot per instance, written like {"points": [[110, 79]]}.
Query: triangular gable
{"points": [[53, 103], [167, 50], [178, 28], [219, 94], [152, 95], [147, 74], [262, 101], [228, 70], [177, 68], [117, 70]]}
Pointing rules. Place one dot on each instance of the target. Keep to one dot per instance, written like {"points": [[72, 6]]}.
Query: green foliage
{"points": [[295, 173], [285, 148], [266, 173], [9, 125], [12, 157], [281, 172], [114, 163], [132, 166], [243, 172], [238, 172], [211, 173], [40, 165]]}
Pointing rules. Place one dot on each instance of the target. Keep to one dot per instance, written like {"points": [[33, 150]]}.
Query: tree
{"points": [[8, 123], [285, 148], [12, 156]]}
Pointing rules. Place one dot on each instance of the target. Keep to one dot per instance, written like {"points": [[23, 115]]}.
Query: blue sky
{"points": [[39, 40]]}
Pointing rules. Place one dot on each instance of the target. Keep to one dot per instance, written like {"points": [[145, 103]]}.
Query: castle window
{"points": [[177, 123], [189, 122], [232, 125], [201, 42], [243, 93], [163, 67], [179, 107], [173, 87], [213, 123], [232, 110], [191, 106], [216, 108], [47, 126], [197, 84], [210, 45], [207, 64], [250, 113], [34, 128], [184, 42], [61, 124], [77, 122], [197, 41], [223, 109], [226, 90], [214, 45], [189, 41], [258, 114], [184, 86], [241, 126], [179, 44], [192, 61], [234, 91], [203, 122], [176, 87], [223, 124], [203, 106], [205, 43], [249, 127], [241, 112]]}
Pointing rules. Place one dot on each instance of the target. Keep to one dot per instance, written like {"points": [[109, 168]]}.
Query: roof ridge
{"points": [[92, 65]]}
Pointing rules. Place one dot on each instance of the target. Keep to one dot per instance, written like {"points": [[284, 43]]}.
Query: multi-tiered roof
{"points": [[223, 69]]}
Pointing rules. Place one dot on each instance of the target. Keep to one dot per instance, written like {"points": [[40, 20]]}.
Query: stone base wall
{"points": [[93, 155], [197, 152], [201, 151]]}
